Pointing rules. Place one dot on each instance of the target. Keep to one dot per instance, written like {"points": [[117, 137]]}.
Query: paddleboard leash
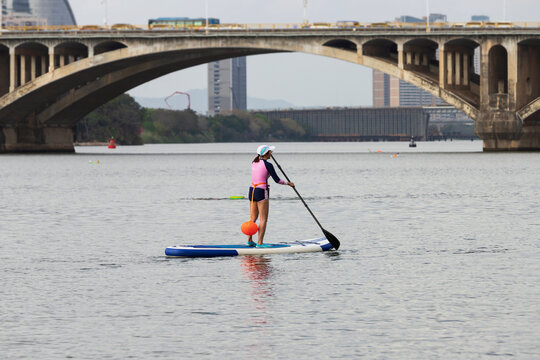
{"points": [[250, 227]]}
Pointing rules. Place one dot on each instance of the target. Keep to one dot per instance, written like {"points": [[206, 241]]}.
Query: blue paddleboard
{"points": [[312, 245]]}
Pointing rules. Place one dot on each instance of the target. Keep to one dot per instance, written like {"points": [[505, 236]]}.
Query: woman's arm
{"points": [[274, 175]]}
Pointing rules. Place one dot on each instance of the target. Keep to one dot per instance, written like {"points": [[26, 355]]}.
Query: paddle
{"points": [[329, 236]]}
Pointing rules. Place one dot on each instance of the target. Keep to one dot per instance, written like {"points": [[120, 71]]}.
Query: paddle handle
{"points": [[297, 193]]}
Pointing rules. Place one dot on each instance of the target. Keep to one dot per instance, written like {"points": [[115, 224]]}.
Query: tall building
{"points": [[410, 19], [433, 18], [19, 14], [385, 90], [479, 18], [3, 7], [389, 91], [54, 12], [21, 6], [410, 95], [227, 86]]}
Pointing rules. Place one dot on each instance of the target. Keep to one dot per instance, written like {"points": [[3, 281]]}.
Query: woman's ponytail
{"points": [[257, 158]]}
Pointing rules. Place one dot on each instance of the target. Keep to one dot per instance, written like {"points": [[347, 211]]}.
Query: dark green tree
{"points": [[170, 126], [120, 119]]}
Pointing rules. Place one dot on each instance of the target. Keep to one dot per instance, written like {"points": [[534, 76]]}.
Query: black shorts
{"points": [[259, 194]]}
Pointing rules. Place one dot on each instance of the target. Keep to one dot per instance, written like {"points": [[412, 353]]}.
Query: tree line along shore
{"points": [[130, 124]]}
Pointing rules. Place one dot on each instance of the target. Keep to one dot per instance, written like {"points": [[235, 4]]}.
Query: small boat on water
{"points": [[312, 245], [412, 144]]}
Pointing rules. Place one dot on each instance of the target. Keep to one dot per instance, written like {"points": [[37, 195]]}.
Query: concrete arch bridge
{"points": [[50, 80]]}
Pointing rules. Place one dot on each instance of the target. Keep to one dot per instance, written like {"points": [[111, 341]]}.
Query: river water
{"points": [[440, 255]]}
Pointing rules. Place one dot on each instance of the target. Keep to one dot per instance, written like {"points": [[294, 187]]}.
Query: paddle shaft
{"points": [[297, 193]]}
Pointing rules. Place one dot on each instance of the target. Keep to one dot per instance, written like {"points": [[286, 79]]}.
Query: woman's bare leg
{"points": [[263, 207], [254, 216]]}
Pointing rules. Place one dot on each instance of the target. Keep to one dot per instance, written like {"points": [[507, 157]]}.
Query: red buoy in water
{"points": [[112, 144], [249, 228]]}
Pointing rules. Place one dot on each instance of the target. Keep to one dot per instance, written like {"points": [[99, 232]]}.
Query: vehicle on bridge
{"points": [[475, 24], [231, 27], [161, 27], [348, 24], [378, 25], [93, 28], [124, 27], [321, 25], [180, 22]]}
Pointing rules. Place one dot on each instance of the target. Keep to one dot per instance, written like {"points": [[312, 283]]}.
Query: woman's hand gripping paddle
{"points": [[329, 236]]}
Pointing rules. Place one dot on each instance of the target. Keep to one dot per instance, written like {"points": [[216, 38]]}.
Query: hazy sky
{"points": [[304, 80]]}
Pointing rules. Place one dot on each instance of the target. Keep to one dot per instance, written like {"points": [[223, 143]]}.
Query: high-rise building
{"points": [[227, 86], [19, 14], [385, 90], [479, 18], [410, 95], [54, 12], [21, 6], [410, 19], [381, 93], [392, 92], [433, 18], [3, 7]]}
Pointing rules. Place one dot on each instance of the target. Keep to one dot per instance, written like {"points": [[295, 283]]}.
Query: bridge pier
{"points": [[529, 141], [27, 139], [505, 131], [499, 123]]}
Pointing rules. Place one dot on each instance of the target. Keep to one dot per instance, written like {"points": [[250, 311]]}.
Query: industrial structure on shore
{"points": [[358, 124], [378, 123]]}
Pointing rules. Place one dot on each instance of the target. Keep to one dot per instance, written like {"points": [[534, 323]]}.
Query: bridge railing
{"points": [[340, 25]]}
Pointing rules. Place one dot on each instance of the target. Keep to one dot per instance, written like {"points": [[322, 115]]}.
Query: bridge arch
{"points": [[30, 61], [107, 46], [528, 71], [468, 47], [498, 70], [73, 50], [420, 55], [342, 44], [381, 48], [86, 98], [30, 47], [4, 70], [458, 73], [462, 42]]}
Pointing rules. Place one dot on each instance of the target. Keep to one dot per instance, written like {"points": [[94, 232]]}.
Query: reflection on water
{"points": [[259, 269]]}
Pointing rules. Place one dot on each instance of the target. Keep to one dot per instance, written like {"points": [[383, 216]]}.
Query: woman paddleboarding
{"points": [[259, 192]]}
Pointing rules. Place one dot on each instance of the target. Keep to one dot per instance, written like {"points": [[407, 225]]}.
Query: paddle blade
{"points": [[331, 239]]}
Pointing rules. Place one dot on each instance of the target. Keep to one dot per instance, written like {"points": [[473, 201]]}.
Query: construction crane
{"points": [[178, 93]]}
